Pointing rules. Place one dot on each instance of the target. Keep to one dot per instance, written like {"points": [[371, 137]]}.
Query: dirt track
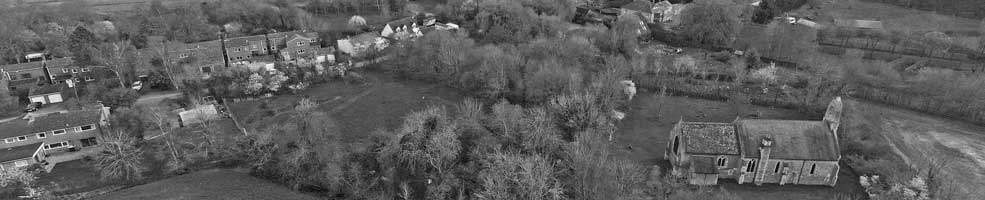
{"points": [[924, 139]]}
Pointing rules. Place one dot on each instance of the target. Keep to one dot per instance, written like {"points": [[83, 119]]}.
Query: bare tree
{"points": [[120, 157], [116, 57], [160, 118]]}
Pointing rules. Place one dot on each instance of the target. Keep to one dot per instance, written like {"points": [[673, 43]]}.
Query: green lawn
{"points": [[356, 109], [73, 176]]}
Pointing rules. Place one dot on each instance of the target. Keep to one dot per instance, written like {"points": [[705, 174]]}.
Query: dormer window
{"points": [[58, 132], [75, 71], [42, 135], [64, 70]]}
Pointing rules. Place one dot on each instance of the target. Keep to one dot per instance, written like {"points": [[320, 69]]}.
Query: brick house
{"points": [[24, 75], [61, 69], [758, 151], [361, 44], [246, 47], [29, 141], [300, 45], [191, 59]]}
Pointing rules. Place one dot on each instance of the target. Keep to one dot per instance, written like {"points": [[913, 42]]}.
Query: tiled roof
{"points": [[792, 139], [710, 138], [19, 152], [244, 41], [47, 89], [365, 38], [49, 122], [60, 62], [21, 66], [704, 165], [639, 5], [401, 22]]}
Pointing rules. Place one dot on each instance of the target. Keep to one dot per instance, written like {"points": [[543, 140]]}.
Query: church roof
{"points": [[792, 139], [710, 138]]}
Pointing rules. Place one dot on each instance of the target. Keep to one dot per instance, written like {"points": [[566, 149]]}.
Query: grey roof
{"points": [[49, 122], [792, 139], [60, 62], [244, 41], [19, 152], [21, 66], [47, 89], [639, 5], [710, 138], [211, 184]]}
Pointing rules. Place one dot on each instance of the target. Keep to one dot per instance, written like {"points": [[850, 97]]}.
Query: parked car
{"points": [[34, 106], [137, 85]]}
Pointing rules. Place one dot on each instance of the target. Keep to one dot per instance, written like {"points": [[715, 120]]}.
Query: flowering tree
{"points": [[253, 85]]}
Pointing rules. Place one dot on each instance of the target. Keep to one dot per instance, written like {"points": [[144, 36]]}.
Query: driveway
{"points": [[155, 98]]}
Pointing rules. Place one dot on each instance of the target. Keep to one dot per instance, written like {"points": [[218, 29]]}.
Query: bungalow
{"points": [[24, 75], [31, 140], [47, 94], [361, 44]]}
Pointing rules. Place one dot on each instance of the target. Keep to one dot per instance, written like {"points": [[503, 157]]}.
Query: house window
{"points": [[55, 145], [58, 132], [89, 142], [75, 71], [751, 166], [42, 135], [776, 169], [207, 69], [84, 128], [21, 138], [301, 43], [301, 51], [722, 160], [183, 55], [64, 70], [239, 57], [15, 139], [89, 78], [813, 167], [85, 69]]}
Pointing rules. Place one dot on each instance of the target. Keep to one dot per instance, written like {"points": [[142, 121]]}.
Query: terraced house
{"points": [[33, 140], [758, 151]]}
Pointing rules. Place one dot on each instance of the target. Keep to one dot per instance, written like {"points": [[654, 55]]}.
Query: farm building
{"points": [[758, 151], [198, 115]]}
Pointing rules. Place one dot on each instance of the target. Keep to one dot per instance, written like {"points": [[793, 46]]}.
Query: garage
{"points": [[54, 98]]}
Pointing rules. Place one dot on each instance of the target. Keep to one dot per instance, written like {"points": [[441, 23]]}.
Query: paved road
{"points": [[154, 98]]}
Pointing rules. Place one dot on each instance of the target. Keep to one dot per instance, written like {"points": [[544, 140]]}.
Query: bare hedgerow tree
{"points": [[119, 157]]}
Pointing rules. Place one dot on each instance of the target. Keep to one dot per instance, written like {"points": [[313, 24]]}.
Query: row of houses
{"points": [[35, 139], [202, 58], [404, 29], [29, 75]]}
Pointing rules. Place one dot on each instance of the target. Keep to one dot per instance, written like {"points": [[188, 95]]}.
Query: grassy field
{"points": [[357, 109], [899, 18], [924, 139], [72, 176], [643, 136]]}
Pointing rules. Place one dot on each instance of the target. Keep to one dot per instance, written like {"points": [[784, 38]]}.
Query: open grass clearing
{"points": [[356, 109], [924, 139]]}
